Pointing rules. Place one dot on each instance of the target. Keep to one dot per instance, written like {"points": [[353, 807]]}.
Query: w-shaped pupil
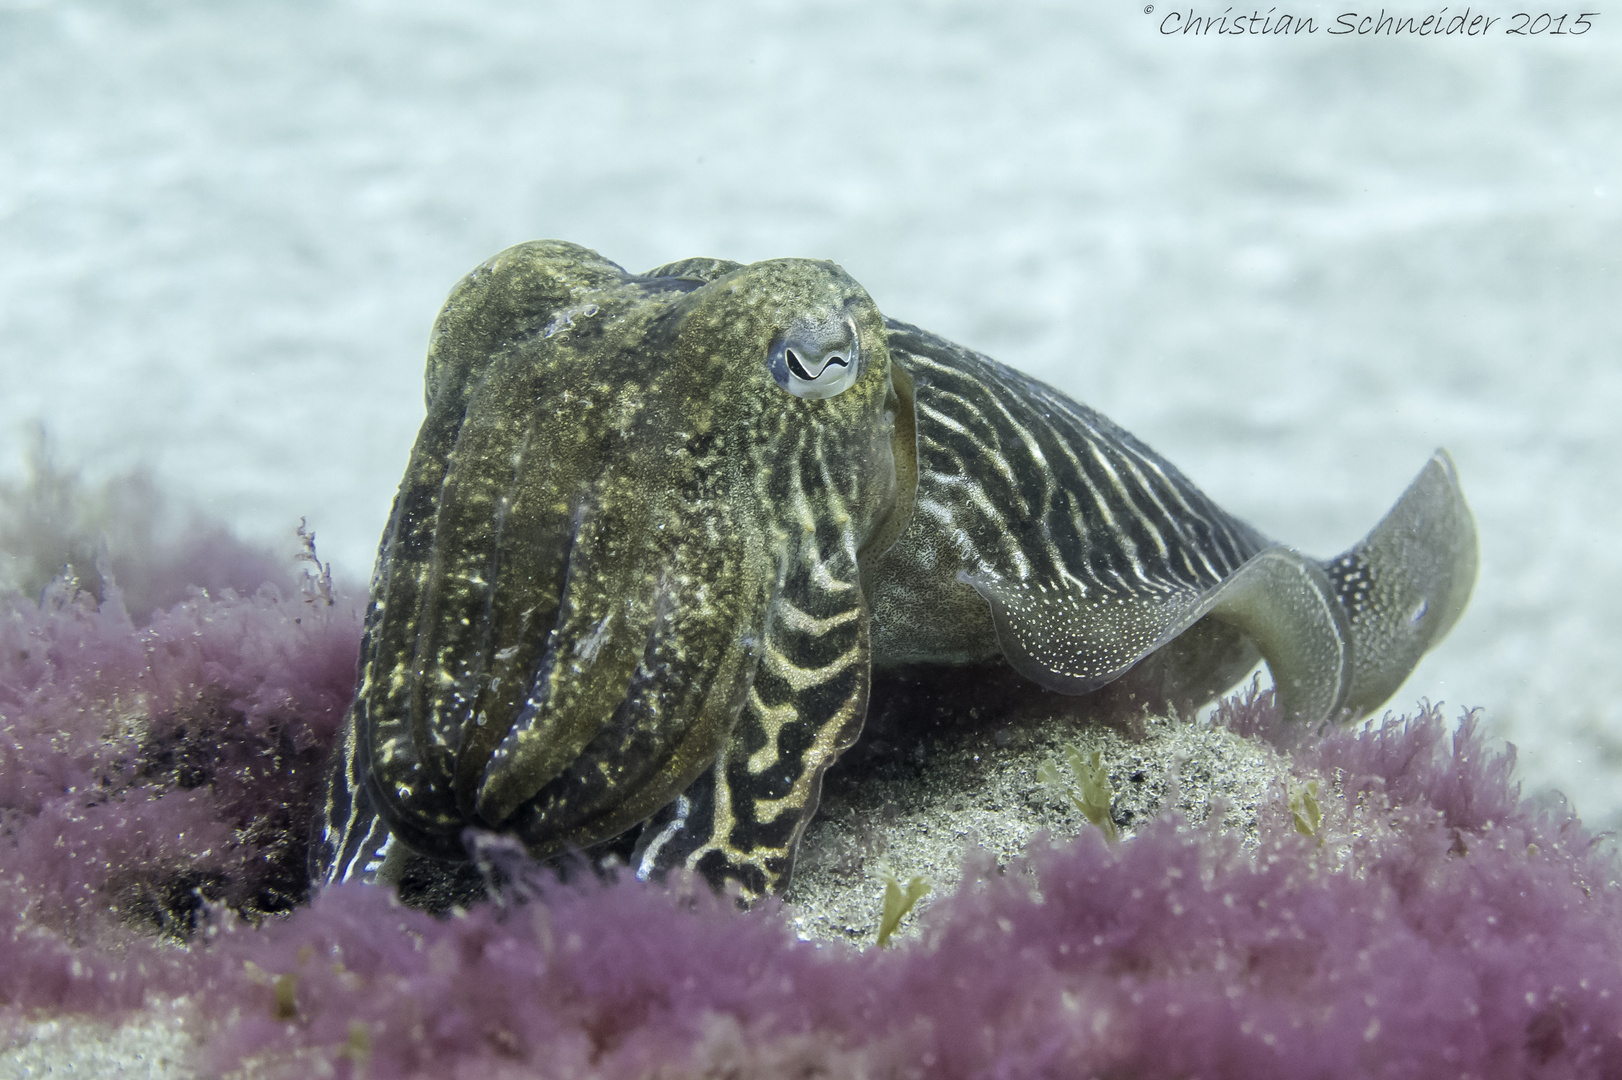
{"points": [[799, 369]]}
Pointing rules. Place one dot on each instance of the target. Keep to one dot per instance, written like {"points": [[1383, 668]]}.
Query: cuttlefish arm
{"points": [[744, 817]]}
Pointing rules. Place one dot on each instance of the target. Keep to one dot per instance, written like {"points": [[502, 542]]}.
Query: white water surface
{"points": [[1293, 265]]}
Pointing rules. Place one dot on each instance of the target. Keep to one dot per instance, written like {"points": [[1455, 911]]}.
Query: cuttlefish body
{"points": [[657, 531]]}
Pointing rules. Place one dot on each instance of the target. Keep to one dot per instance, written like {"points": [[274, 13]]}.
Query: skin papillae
{"points": [[658, 530]]}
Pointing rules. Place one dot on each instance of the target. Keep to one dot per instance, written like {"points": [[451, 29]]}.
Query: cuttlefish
{"points": [[658, 530]]}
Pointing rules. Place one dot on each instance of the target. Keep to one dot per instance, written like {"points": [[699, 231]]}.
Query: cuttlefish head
{"points": [[614, 483]]}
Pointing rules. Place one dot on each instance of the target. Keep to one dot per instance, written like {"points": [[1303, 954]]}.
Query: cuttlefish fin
{"points": [[1072, 638], [1339, 637], [1406, 583], [1284, 603], [1075, 640], [742, 819]]}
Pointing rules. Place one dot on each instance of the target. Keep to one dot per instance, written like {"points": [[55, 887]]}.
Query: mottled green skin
{"points": [[611, 512], [634, 575]]}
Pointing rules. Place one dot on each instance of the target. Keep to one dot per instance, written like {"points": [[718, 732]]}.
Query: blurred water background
{"points": [[1293, 265]]}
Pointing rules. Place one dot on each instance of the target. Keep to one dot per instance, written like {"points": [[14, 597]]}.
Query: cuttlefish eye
{"points": [[816, 360]]}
